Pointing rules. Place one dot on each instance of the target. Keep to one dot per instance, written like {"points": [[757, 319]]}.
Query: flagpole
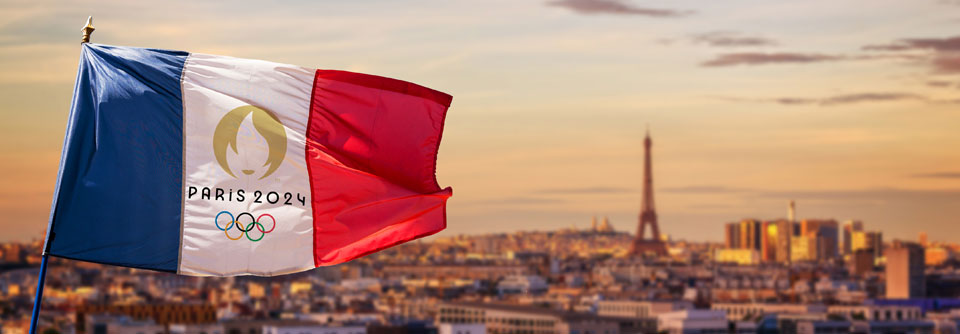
{"points": [[39, 296], [37, 301]]}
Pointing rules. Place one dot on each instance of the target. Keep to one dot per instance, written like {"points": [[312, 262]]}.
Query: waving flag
{"points": [[211, 165]]}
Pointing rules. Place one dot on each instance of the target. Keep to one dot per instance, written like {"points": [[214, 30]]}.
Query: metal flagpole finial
{"points": [[87, 30]]}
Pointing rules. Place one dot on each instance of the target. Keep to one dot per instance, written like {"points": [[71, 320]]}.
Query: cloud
{"points": [[615, 7], [946, 51], [587, 190], [830, 193], [948, 44], [947, 64], [759, 58], [842, 99], [730, 39], [888, 194], [519, 200], [867, 97], [705, 190], [939, 83], [938, 175]]}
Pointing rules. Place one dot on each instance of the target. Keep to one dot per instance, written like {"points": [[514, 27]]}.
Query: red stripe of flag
{"points": [[371, 158]]}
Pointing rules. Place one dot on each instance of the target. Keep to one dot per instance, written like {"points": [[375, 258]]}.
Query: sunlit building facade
{"points": [[905, 272]]}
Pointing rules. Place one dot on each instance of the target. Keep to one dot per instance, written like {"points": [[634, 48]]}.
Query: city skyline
{"points": [[583, 280], [748, 104], [615, 167]]}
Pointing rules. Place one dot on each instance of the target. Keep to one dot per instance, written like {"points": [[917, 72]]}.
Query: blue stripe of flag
{"points": [[118, 196]]}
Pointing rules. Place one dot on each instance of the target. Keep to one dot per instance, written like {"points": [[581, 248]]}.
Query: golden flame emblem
{"points": [[267, 125]]}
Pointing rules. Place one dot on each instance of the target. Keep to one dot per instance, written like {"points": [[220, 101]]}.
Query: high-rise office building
{"points": [[732, 235], [784, 232], [803, 248], [750, 234], [792, 211], [867, 240], [861, 262], [826, 233], [775, 241], [768, 238], [745, 234], [875, 241], [904, 275], [848, 229]]}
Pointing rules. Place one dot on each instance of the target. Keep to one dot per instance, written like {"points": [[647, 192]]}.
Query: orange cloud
{"points": [[759, 58], [730, 39], [946, 51], [615, 7], [844, 99]]}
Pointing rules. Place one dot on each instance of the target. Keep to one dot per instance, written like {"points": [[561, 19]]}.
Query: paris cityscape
{"points": [[612, 166], [775, 275]]}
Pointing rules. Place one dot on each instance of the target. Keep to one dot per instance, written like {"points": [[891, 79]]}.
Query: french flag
{"points": [[209, 165]]}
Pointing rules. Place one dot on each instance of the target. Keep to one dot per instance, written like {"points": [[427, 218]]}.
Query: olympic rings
{"points": [[250, 227], [240, 225], [271, 227], [227, 233], [244, 230], [216, 220]]}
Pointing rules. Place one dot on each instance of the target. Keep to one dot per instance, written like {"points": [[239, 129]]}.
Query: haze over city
{"points": [[849, 108]]}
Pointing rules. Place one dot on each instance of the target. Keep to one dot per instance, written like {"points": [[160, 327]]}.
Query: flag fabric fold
{"points": [[210, 165]]}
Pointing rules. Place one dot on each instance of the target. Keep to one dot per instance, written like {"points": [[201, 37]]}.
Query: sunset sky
{"points": [[852, 108]]}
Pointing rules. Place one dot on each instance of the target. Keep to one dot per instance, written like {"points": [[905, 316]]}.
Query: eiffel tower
{"points": [[648, 214]]}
